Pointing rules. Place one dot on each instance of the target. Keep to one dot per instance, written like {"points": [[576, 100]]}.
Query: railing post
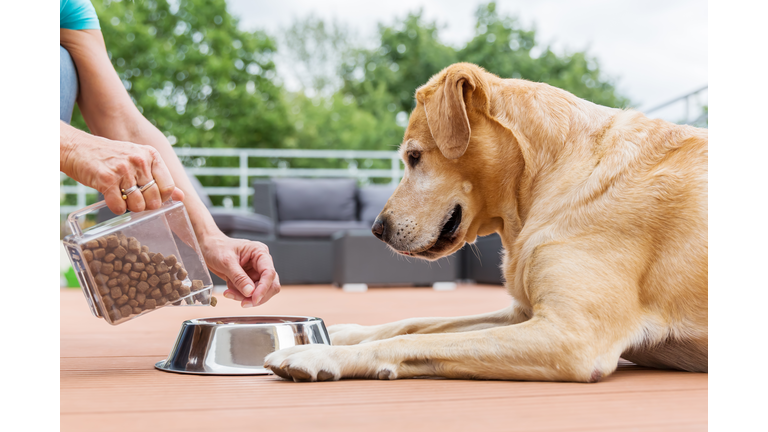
{"points": [[244, 181], [80, 195], [395, 170]]}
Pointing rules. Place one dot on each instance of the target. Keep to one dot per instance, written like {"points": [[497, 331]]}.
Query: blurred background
{"points": [[243, 74]]}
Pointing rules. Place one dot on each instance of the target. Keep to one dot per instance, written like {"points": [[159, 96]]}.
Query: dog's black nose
{"points": [[378, 228]]}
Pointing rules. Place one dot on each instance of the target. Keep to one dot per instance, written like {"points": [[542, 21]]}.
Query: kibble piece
{"points": [[120, 252], [112, 283], [95, 266], [156, 294], [116, 292], [145, 249], [123, 241], [122, 300], [140, 299], [108, 302], [103, 290], [134, 275], [157, 258], [123, 279], [142, 286], [88, 255], [99, 253], [133, 282], [150, 303], [93, 244], [150, 269], [176, 285], [109, 257], [107, 268], [176, 267], [197, 285], [170, 260], [139, 266], [114, 315], [143, 276], [181, 275], [126, 311], [153, 280], [165, 278], [126, 268], [173, 296], [131, 257], [124, 289], [214, 301], [118, 265], [112, 241], [166, 289], [144, 257], [162, 268], [134, 245], [133, 303], [131, 292], [137, 310], [162, 300], [101, 279], [114, 275], [102, 242], [183, 290]]}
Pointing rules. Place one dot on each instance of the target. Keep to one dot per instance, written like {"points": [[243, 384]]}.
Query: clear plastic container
{"points": [[138, 262]]}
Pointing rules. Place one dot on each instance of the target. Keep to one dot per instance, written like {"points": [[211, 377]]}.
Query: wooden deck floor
{"points": [[108, 382]]}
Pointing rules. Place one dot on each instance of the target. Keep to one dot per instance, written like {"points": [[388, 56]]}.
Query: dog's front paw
{"points": [[315, 362], [349, 334]]}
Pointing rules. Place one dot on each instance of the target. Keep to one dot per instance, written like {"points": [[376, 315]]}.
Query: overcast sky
{"points": [[657, 49]]}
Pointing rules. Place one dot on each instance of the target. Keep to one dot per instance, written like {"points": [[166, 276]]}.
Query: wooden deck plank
{"points": [[108, 381]]}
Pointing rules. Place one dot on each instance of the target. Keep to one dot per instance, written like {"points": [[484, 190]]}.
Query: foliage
{"points": [[190, 71]]}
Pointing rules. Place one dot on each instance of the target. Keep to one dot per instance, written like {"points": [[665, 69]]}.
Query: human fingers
{"points": [[233, 294], [133, 198], [237, 278], [114, 200], [164, 186], [262, 263], [271, 290]]}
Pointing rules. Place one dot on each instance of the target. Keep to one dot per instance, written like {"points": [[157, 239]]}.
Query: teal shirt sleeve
{"points": [[78, 15]]}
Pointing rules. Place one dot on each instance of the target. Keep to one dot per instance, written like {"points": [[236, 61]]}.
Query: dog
{"points": [[602, 214]]}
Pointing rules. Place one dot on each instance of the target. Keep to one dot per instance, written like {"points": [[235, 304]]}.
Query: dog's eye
{"points": [[413, 157]]}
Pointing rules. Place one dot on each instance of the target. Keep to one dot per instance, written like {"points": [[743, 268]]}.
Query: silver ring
{"points": [[128, 191], [147, 186]]}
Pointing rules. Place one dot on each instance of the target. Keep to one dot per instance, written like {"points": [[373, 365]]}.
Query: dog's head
{"points": [[449, 153]]}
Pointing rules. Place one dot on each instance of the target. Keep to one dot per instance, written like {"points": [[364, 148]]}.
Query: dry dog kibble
{"points": [[170, 260], [114, 315], [144, 257], [122, 300], [114, 275], [131, 292], [131, 257], [166, 289], [150, 269], [134, 275], [126, 310], [173, 296], [150, 303], [108, 301], [153, 280], [145, 249], [197, 285], [102, 242], [134, 245], [143, 276], [126, 268], [183, 290], [214, 302], [162, 268], [162, 300], [112, 241], [133, 303], [120, 252], [99, 253], [133, 282], [176, 285], [139, 266], [103, 290], [123, 279], [181, 275], [112, 283], [156, 294], [137, 310], [93, 244], [142, 286], [95, 266], [118, 265], [176, 267], [101, 279], [107, 268], [88, 255], [140, 299], [157, 258], [109, 257], [165, 278]]}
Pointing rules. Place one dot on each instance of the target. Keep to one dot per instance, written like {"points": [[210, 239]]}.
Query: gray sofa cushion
{"points": [[229, 221], [317, 228], [373, 198], [316, 199]]}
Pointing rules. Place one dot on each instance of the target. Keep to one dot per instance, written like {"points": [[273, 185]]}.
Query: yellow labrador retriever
{"points": [[603, 216]]}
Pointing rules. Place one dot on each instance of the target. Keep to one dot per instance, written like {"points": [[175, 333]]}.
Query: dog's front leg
{"points": [[538, 349], [351, 334]]}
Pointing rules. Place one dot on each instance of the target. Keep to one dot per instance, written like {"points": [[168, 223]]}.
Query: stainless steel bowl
{"points": [[238, 345]]}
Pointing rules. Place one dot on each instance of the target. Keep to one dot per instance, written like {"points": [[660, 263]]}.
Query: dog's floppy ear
{"points": [[446, 110]]}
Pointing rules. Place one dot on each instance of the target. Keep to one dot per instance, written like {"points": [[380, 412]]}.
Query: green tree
{"points": [[192, 73]]}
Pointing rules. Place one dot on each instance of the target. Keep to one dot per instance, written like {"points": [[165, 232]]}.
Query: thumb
{"points": [[239, 279]]}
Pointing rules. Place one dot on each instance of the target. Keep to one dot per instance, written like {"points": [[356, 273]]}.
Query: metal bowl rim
{"points": [[210, 321]]}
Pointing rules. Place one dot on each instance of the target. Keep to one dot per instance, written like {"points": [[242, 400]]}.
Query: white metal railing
{"points": [[680, 108], [244, 172]]}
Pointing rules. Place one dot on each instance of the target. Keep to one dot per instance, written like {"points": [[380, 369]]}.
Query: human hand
{"points": [[111, 166], [245, 265]]}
